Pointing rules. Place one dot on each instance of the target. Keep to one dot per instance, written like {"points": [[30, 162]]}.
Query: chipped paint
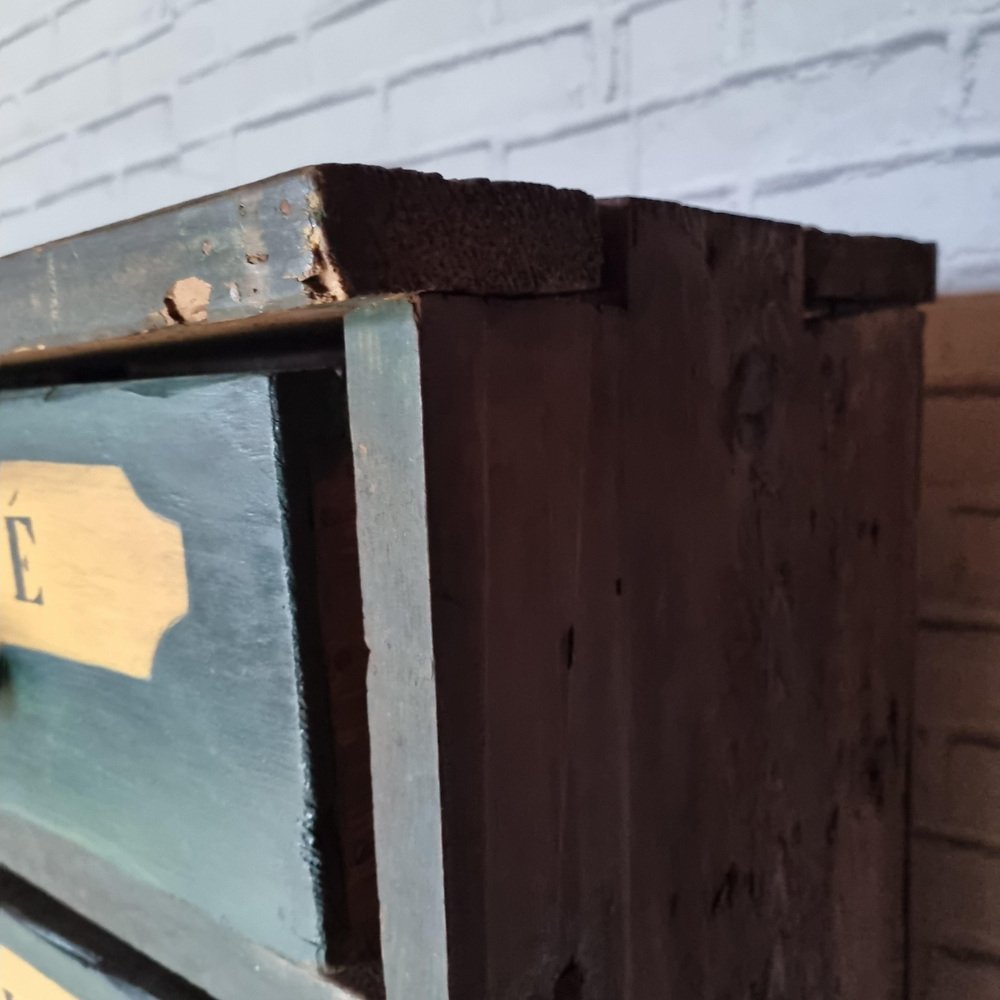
{"points": [[187, 301], [322, 281]]}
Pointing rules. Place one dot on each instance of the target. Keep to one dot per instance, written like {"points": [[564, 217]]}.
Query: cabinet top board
{"points": [[324, 235], [317, 235]]}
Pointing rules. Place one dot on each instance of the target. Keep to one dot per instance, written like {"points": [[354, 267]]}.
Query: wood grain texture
{"points": [[312, 236], [867, 269], [204, 799], [381, 351], [671, 561], [961, 355]]}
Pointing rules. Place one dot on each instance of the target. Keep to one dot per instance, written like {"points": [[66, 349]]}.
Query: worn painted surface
{"points": [[382, 354], [91, 574], [193, 788], [312, 236], [248, 253]]}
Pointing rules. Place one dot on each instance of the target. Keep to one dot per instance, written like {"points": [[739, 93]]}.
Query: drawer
{"points": [[166, 717], [49, 953]]}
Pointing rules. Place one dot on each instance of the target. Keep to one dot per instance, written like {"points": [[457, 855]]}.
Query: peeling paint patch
{"points": [[187, 301], [322, 281]]}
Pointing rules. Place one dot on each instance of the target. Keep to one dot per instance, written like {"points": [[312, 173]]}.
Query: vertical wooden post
{"points": [[384, 398]]}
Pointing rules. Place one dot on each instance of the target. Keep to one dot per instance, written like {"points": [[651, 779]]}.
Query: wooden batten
{"points": [[314, 236]]}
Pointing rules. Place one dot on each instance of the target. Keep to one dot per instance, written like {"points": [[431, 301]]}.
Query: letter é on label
{"points": [[19, 561]]}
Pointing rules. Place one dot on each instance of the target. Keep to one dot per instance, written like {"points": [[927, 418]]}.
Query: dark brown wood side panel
{"points": [[872, 365], [718, 305], [455, 370], [671, 562], [527, 438]]}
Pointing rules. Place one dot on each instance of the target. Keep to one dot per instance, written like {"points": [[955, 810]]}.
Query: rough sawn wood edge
{"points": [[315, 235]]}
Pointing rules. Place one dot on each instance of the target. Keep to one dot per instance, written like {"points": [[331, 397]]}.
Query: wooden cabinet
{"points": [[462, 590]]}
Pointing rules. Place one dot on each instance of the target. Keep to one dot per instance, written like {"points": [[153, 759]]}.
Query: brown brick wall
{"points": [[955, 860]]}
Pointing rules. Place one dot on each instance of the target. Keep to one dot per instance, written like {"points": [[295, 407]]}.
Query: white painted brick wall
{"points": [[864, 114]]}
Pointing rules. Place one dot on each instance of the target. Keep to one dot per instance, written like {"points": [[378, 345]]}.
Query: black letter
{"points": [[19, 562]]}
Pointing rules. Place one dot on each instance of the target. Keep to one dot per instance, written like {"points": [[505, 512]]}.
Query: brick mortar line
{"points": [[962, 147], [462, 55], [768, 69]]}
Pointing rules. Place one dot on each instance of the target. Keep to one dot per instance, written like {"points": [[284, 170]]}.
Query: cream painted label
{"points": [[21, 981], [87, 571]]}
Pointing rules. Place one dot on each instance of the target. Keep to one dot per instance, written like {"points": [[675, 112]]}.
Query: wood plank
{"points": [[672, 637], [47, 952], [876, 270], [547, 723], [193, 813], [312, 236]]}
